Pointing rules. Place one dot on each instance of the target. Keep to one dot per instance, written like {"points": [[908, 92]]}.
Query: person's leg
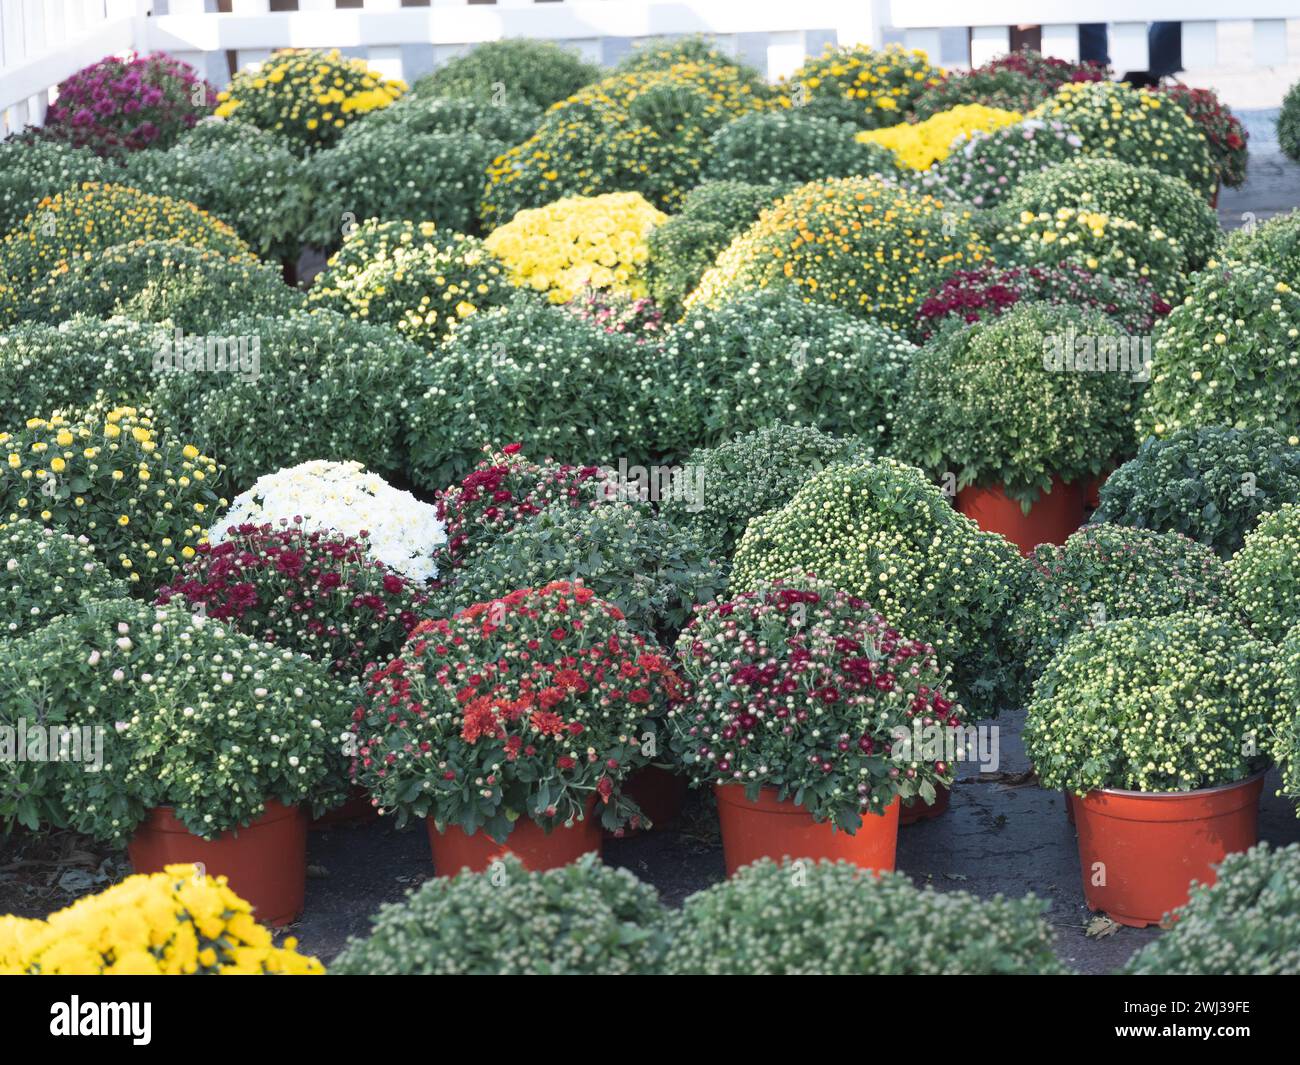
{"points": [[1093, 43], [1165, 45]]}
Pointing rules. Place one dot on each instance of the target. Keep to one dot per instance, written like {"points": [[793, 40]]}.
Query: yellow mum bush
{"points": [[84, 221], [143, 498], [174, 923], [860, 243], [645, 132], [307, 97], [869, 87], [579, 242], [920, 145]]}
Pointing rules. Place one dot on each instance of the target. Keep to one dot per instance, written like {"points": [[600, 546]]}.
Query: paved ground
{"points": [[1272, 181]]}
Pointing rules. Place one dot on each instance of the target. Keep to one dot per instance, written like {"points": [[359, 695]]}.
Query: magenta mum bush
{"points": [[319, 593], [805, 689], [124, 105], [986, 292]]}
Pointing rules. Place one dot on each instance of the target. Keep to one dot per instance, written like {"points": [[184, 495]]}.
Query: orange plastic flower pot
{"points": [[1140, 851], [773, 828], [1051, 519], [453, 850], [659, 793], [919, 810], [265, 862]]}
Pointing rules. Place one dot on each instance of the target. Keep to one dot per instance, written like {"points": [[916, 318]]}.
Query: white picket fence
{"points": [[43, 41]]}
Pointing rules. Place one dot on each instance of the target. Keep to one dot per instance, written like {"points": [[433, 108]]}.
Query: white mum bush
{"points": [[343, 497]]}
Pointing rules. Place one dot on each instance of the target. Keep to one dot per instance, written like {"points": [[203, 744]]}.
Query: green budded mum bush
{"points": [[768, 356], [645, 132], [864, 245], [529, 371], [1142, 194], [882, 532], [1174, 703], [832, 918], [1209, 484], [1109, 244], [46, 573], [1040, 392], [196, 290], [194, 716], [512, 70], [627, 555], [660, 53], [322, 387], [67, 367], [409, 275], [84, 221], [689, 242], [989, 165], [241, 174], [1247, 923], [756, 472], [1107, 572], [31, 171], [1286, 745], [583, 919], [391, 173], [1227, 356], [1264, 576], [1135, 126], [791, 148], [1274, 245], [507, 122]]}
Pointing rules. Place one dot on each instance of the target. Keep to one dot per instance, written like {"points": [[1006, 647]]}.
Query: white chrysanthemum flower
{"points": [[401, 532]]}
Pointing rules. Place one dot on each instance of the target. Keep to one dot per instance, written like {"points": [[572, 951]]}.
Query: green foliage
{"points": [[1106, 572], [196, 290], [535, 373], [623, 552], [45, 573], [241, 174], [768, 356], [512, 71], [584, 919], [1226, 356], [791, 148], [1210, 484]]}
